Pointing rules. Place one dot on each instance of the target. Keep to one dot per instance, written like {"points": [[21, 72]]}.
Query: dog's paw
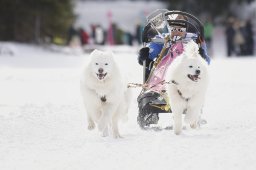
{"points": [[117, 135], [105, 133], [193, 125], [177, 131], [103, 123], [187, 119], [91, 126], [101, 126]]}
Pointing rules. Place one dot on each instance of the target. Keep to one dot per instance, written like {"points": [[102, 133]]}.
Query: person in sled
{"points": [[153, 49]]}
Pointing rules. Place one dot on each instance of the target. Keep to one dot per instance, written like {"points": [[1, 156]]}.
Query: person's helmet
{"points": [[177, 22]]}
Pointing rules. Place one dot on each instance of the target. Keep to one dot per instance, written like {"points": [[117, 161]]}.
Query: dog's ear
{"points": [[109, 53], [95, 52], [191, 49]]}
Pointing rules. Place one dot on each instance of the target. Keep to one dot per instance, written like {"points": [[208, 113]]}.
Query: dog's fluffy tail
{"points": [[191, 48]]}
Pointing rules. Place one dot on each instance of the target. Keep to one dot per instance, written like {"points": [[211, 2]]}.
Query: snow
{"points": [[43, 123]]}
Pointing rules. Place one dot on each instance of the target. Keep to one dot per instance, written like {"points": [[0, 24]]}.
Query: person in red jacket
{"points": [[84, 37]]}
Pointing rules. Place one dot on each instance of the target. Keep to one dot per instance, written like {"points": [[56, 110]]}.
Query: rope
{"points": [[146, 86], [134, 85]]}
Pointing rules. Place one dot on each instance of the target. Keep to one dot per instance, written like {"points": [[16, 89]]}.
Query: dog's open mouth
{"points": [[101, 76], [193, 77]]}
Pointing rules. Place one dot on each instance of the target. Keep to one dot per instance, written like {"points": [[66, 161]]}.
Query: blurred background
{"points": [[230, 25]]}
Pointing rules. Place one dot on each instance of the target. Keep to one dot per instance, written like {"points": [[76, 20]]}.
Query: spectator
{"points": [[128, 39], [208, 30], [93, 28], [84, 37], [72, 32], [249, 42], [139, 29], [230, 33], [118, 36], [99, 35], [239, 39]]}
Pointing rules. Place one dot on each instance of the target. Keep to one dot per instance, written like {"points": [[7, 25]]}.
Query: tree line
{"points": [[32, 20]]}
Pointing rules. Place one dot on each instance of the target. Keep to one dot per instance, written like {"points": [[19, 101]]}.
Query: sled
{"points": [[153, 99]]}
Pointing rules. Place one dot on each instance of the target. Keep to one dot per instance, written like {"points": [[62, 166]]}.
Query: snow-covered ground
{"points": [[43, 122]]}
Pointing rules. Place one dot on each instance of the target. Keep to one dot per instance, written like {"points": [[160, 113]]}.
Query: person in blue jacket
{"points": [[153, 49]]}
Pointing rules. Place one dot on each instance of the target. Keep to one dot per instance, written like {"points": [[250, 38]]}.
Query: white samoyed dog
{"points": [[105, 93], [188, 77]]}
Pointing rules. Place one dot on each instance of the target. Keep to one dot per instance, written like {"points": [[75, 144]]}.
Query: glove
{"points": [[202, 52], [204, 55], [143, 55]]}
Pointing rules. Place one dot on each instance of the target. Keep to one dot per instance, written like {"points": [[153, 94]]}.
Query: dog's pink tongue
{"points": [[101, 76], [194, 77]]}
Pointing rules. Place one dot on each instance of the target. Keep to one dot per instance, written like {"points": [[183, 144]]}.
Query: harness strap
{"points": [[186, 99], [145, 86], [179, 92], [103, 99], [174, 82]]}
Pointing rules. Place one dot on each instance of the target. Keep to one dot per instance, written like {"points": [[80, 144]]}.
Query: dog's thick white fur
{"points": [[105, 94], [188, 76]]}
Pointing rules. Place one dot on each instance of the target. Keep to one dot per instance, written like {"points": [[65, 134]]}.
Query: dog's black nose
{"points": [[198, 72], [100, 70]]}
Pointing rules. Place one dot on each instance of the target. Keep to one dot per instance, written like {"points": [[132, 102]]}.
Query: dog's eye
{"points": [[190, 66], [106, 64], [96, 63]]}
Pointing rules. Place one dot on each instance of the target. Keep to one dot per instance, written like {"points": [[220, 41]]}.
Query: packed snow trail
{"points": [[43, 122]]}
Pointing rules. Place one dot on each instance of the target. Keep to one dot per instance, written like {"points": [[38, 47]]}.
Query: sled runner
{"points": [[153, 98]]}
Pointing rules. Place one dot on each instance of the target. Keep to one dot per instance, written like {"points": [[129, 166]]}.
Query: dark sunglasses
{"points": [[178, 29]]}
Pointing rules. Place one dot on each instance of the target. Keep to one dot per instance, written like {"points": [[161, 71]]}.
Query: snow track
{"points": [[43, 123]]}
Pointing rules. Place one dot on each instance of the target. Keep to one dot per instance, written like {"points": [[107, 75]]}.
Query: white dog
{"points": [[105, 94], [188, 77]]}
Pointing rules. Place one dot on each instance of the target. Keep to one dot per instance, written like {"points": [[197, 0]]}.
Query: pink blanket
{"points": [[158, 75]]}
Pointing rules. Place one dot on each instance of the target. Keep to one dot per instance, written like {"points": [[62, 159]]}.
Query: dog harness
{"points": [[179, 92], [103, 99]]}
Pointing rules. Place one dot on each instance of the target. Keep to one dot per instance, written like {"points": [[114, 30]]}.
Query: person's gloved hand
{"points": [[204, 55], [202, 52], [143, 55]]}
